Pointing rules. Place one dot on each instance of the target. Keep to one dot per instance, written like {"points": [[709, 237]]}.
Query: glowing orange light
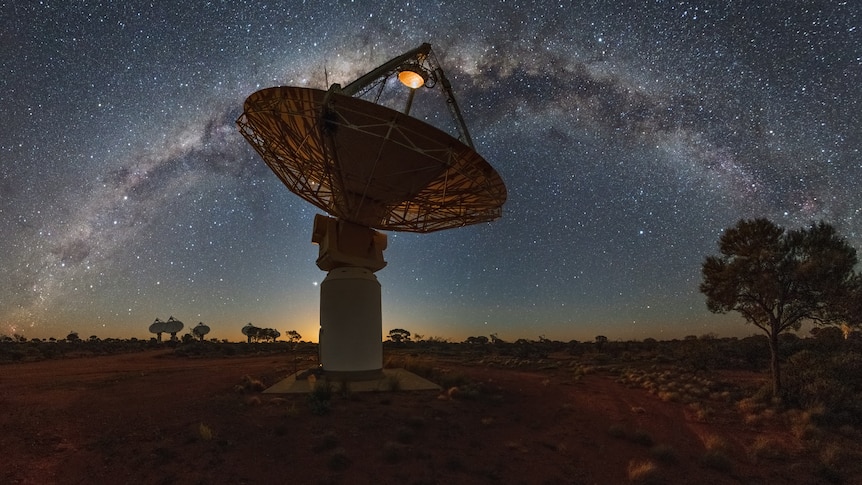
{"points": [[411, 79]]}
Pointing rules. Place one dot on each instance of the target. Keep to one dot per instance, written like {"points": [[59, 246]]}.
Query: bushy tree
{"points": [[269, 334], [777, 279], [399, 335], [601, 340], [851, 306], [480, 340]]}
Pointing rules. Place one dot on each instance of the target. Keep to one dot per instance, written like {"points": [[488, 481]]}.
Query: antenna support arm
{"points": [[357, 85]]}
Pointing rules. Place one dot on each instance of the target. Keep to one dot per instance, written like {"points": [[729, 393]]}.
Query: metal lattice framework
{"points": [[369, 164]]}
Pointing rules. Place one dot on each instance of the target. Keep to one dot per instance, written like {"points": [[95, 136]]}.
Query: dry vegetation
{"points": [[697, 409]]}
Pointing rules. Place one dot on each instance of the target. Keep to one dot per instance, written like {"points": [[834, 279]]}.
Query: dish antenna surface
{"points": [[172, 326], [200, 330], [370, 166], [157, 327]]}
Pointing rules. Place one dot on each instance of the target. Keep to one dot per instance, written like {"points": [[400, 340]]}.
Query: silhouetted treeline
{"points": [[19, 349]]}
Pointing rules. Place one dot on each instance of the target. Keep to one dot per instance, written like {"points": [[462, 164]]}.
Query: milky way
{"points": [[629, 137]]}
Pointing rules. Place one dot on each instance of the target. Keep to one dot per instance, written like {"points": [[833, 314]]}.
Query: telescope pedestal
{"points": [[351, 322], [351, 335]]}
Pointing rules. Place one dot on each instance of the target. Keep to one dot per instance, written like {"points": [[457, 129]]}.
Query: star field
{"points": [[629, 136]]}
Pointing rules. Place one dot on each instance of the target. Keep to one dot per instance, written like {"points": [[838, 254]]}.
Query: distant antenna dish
{"points": [[200, 330], [172, 326], [157, 327], [371, 167]]}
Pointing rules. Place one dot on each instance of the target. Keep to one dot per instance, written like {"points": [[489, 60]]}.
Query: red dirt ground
{"points": [[153, 417]]}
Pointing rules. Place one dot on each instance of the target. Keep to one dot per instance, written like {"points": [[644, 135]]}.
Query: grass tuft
{"points": [[250, 384], [205, 432], [716, 456], [642, 471], [393, 383], [767, 448], [320, 398]]}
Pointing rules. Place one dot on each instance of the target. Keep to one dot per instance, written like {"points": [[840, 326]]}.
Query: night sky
{"points": [[629, 135]]}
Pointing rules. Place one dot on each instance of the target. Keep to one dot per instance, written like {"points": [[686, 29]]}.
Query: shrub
{"points": [[834, 460], [642, 471], [700, 412], [393, 383], [716, 454], [829, 381], [767, 448], [449, 380], [664, 453], [342, 388], [320, 398], [250, 384], [717, 460], [642, 437], [714, 442], [205, 432]]}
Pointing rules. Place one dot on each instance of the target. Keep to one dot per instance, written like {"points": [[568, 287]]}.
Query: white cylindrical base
{"points": [[351, 324]]}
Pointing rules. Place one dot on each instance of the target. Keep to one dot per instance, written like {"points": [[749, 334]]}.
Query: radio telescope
{"points": [[200, 330], [157, 327], [369, 166], [172, 326]]}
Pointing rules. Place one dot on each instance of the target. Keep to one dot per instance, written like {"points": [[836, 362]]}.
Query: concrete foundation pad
{"points": [[392, 380]]}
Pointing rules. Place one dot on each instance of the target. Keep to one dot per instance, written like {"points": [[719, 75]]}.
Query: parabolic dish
{"points": [[173, 325], [369, 164], [157, 327], [201, 329]]}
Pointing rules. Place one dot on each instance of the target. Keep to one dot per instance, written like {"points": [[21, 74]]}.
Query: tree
{"points": [[251, 332], [480, 340], [851, 306], [601, 340], [293, 336], [399, 335], [777, 279]]}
